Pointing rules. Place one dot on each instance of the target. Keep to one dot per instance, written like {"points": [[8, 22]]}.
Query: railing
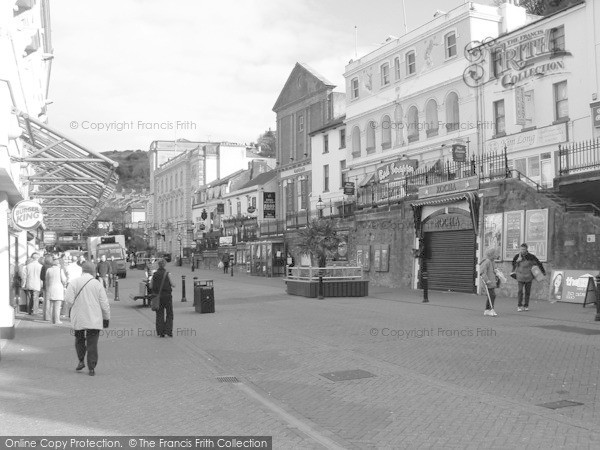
{"points": [[524, 178], [578, 157], [328, 273]]}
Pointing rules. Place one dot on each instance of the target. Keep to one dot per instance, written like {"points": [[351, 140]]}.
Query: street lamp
{"points": [[320, 207]]}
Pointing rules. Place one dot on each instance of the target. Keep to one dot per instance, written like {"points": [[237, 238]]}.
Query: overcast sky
{"points": [[216, 67]]}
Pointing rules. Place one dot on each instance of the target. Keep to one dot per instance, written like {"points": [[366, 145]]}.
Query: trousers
{"points": [[524, 286], [86, 341], [164, 325]]}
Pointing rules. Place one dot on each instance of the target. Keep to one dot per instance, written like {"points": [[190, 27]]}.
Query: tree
{"points": [[268, 143], [543, 7], [319, 240]]}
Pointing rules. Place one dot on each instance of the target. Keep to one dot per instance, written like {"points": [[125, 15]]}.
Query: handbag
{"points": [[155, 298], [537, 273], [105, 323], [220, 265]]}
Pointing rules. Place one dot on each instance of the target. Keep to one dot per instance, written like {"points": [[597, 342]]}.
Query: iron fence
{"points": [[578, 157]]}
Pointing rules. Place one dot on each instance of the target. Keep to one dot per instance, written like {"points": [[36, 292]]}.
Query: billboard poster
{"points": [[571, 286], [269, 205], [536, 232], [341, 253], [513, 233], [492, 234]]}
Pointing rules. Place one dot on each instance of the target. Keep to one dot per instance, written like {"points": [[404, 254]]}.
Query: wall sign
{"points": [[447, 222], [554, 134], [349, 188], [449, 187], [27, 215], [596, 114], [536, 232], [269, 205], [513, 233], [492, 234], [363, 257], [571, 286], [395, 170], [381, 253]]}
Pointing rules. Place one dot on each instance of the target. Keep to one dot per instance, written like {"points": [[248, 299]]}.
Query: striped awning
{"points": [[446, 199], [70, 181]]}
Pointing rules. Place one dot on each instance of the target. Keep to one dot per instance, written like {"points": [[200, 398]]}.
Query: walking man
{"points": [[104, 271], [90, 312], [33, 283], [522, 264], [162, 284]]}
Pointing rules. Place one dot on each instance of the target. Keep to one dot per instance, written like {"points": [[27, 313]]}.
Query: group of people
{"points": [[523, 265]]}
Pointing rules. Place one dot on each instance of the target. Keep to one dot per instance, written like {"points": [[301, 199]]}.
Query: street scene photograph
{"points": [[269, 224]]}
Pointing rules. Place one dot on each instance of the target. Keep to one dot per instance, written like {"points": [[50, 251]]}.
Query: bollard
{"points": [[321, 296], [116, 290], [424, 282], [193, 264], [597, 318], [183, 299]]}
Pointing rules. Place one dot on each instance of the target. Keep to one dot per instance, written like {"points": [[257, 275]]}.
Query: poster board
{"points": [[381, 257], [363, 257], [513, 233], [492, 235], [536, 233], [572, 286]]}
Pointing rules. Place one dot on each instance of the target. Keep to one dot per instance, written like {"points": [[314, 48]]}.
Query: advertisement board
{"points": [[269, 205], [571, 286], [513, 233]]}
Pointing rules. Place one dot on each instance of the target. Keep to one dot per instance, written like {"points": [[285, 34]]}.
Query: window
{"points": [[450, 41], [397, 67], [371, 136], [385, 74], [326, 178], [413, 124], [529, 109], [354, 87], [561, 102], [499, 119], [343, 138], [299, 201], [386, 132], [411, 66], [301, 123], [431, 116], [557, 39], [452, 115], [303, 189], [343, 173], [356, 150], [325, 143]]}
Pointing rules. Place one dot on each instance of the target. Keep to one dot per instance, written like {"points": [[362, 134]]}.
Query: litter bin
{"points": [[204, 296]]}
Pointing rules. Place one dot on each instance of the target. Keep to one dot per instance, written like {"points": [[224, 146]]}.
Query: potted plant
{"points": [[318, 240]]}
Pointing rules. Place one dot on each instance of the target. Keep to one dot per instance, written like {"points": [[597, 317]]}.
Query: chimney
{"points": [[513, 16]]}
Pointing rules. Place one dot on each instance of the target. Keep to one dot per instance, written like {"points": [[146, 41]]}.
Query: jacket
{"points": [[167, 285], [91, 306], [523, 267], [55, 283], [103, 268], [32, 271], [488, 273]]}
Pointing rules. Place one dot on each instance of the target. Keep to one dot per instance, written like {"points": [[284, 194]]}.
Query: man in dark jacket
{"points": [[162, 284], [522, 264], [103, 270]]}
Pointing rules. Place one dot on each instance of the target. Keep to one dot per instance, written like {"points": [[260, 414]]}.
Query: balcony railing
{"points": [[578, 157]]}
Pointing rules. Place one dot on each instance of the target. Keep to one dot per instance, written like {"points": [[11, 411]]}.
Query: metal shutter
{"points": [[451, 260]]}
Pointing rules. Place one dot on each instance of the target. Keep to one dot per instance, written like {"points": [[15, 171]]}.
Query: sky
{"points": [[128, 72]]}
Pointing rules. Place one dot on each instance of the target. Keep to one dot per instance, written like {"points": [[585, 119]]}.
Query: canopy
{"points": [[70, 181]]}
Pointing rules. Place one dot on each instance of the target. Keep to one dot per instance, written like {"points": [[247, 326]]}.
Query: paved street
{"points": [[444, 376]]}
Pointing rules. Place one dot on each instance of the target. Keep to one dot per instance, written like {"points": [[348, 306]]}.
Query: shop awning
{"points": [[440, 200], [70, 181]]}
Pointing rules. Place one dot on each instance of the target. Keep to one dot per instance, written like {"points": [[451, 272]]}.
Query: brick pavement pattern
{"points": [[445, 375]]}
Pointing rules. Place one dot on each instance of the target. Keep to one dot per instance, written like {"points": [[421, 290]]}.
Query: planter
{"points": [[331, 288]]}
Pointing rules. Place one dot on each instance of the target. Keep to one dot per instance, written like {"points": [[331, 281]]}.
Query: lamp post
{"points": [[180, 250], [320, 207]]}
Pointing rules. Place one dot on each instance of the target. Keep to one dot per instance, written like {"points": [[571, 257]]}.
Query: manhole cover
{"points": [[344, 375], [560, 404], [568, 329], [228, 379]]}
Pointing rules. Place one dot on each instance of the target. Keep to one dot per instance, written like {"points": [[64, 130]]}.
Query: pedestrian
{"points": [[522, 264], [487, 270], [81, 260], [162, 284], [103, 270], [48, 262], [73, 271], [33, 283], [113, 271], [90, 312], [225, 261], [56, 280]]}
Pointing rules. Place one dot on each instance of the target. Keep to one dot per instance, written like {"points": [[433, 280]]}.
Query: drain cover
{"points": [[345, 375], [568, 329], [560, 404], [228, 379]]}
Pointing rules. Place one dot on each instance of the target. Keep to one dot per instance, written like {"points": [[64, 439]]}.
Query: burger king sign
{"points": [[27, 215]]}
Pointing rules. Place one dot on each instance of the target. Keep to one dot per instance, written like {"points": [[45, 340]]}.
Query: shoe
{"points": [[493, 313], [80, 366], [58, 323], [170, 334], [487, 312], [92, 372], [161, 335], [519, 309], [526, 308]]}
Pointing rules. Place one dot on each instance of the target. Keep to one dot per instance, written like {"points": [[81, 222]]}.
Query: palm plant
{"points": [[319, 240]]}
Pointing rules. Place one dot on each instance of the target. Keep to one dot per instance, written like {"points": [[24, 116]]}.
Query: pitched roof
{"points": [[263, 178], [297, 71]]}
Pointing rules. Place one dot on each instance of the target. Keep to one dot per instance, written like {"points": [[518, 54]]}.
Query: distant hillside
{"points": [[133, 170]]}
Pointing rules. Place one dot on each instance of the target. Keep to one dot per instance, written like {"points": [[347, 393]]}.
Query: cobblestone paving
{"points": [[445, 375]]}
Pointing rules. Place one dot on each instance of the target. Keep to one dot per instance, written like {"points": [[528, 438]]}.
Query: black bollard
{"points": [[425, 282], [597, 318], [116, 290], [183, 299], [321, 293], [193, 264]]}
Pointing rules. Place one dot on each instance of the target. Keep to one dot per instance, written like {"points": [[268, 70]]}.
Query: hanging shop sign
{"points": [[27, 215], [397, 169], [220, 208], [349, 188], [449, 187], [459, 152], [50, 237], [269, 205], [251, 209], [596, 114]]}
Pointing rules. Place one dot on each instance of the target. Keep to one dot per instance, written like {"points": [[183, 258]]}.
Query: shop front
{"points": [[265, 258]]}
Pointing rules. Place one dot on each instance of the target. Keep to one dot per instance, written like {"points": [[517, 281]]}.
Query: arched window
{"points": [[371, 136], [413, 124], [431, 117], [452, 116], [356, 150], [386, 132]]}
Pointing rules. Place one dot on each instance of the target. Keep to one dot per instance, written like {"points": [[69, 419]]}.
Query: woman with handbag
{"points": [[487, 271], [55, 282], [89, 312], [162, 286]]}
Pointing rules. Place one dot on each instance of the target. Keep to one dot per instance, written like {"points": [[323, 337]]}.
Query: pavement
{"points": [[419, 375]]}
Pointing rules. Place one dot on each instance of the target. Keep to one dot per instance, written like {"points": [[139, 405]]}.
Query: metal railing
{"points": [[328, 273], [578, 157]]}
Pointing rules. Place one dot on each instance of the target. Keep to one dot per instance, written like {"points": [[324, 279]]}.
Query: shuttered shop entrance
{"points": [[451, 260]]}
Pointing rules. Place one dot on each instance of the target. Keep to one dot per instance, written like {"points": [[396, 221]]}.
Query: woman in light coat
{"points": [[487, 271], [55, 282]]}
